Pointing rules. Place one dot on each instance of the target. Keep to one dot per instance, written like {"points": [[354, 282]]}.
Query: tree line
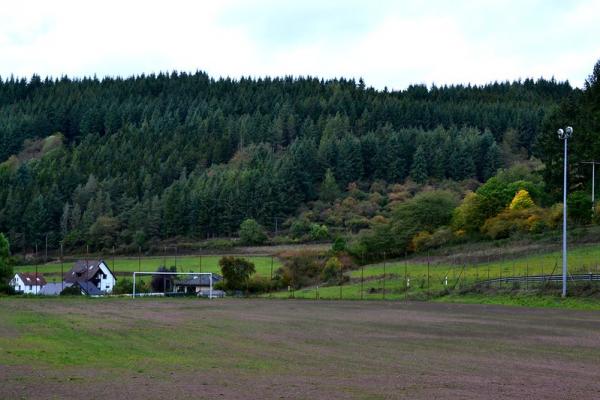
{"points": [[152, 157]]}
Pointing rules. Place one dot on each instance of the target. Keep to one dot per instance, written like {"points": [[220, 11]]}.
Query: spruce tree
{"points": [[418, 170]]}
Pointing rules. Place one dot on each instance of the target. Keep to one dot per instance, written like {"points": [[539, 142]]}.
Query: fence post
{"points": [[271, 279], [428, 288], [362, 276], [384, 260], [341, 279], [405, 276]]}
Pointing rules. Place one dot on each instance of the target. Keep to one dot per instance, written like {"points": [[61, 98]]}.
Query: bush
{"points": [[319, 232], [236, 272], [251, 232], [259, 284], [521, 201], [300, 227], [339, 244], [124, 286], [469, 215], [579, 207], [530, 220], [300, 269], [331, 270]]}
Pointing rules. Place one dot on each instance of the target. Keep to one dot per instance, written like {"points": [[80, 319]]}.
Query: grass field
{"points": [[417, 280], [127, 265], [245, 349]]}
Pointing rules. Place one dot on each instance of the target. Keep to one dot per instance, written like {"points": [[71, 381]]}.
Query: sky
{"points": [[388, 43]]}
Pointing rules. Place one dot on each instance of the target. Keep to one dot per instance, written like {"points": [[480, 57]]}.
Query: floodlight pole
{"points": [[565, 135]]}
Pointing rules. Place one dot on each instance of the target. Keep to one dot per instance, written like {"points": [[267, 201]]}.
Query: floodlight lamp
{"points": [[569, 131], [561, 133]]}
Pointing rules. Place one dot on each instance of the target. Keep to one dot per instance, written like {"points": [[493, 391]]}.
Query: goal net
{"points": [[170, 283]]}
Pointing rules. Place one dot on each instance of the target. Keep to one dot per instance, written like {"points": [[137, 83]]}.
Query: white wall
{"points": [[21, 287], [106, 284]]}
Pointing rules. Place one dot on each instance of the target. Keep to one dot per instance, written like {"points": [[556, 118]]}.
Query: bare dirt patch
{"points": [[304, 349]]}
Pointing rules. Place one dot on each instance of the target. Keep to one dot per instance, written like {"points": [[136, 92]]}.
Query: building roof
{"points": [[84, 270], [199, 280], [31, 278], [89, 288], [54, 288]]}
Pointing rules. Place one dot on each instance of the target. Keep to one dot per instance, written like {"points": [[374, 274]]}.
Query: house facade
{"points": [[92, 275], [27, 283]]}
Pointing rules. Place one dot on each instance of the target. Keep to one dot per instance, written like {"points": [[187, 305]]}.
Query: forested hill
{"points": [[153, 157]]}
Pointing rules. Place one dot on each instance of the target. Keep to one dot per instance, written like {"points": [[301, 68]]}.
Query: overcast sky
{"points": [[388, 43]]}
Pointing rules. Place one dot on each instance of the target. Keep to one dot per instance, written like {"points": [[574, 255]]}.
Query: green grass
{"points": [[410, 280], [184, 264], [524, 300]]}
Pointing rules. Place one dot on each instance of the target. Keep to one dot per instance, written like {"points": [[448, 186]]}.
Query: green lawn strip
{"points": [[395, 289], [525, 300], [184, 264]]}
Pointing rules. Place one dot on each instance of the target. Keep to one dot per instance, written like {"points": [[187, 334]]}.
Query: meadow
{"points": [[416, 279], [255, 348], [128, 265]]}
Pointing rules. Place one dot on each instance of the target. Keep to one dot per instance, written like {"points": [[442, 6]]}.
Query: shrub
{"points": [[339, 244], [331, 270], [579, 207], [251, 232], [300, 227], [236, 272], [300, 269], [259, 284], [522, 200], [319, 232], [511, 221], [124, 286], [469, 215]]}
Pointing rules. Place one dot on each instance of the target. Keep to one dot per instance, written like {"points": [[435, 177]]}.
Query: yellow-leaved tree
{"points": [[521, 201]]}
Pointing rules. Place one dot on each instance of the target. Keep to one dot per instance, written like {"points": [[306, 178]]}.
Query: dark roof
{"points": [[199, 280], [89, 288], [54, 288], [84, 270], [30, 278]]}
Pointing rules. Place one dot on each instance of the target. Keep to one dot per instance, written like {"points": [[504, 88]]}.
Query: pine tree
{"points": [[329, 188], [418, 171]]}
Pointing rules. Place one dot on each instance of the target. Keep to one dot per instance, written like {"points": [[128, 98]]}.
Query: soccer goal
{"points": [[197, 282]]}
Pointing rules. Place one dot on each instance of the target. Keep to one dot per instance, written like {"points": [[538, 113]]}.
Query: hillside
{"points": [[154, 157]]}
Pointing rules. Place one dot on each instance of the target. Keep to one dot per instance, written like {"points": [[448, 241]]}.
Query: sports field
{"points": [[295, 349]]}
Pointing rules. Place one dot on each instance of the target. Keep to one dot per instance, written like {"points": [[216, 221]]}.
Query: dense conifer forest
{"points": [[128, 162]]}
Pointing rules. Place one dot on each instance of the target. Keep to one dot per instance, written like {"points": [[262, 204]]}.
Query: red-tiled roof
{"points": [[30, 278]]}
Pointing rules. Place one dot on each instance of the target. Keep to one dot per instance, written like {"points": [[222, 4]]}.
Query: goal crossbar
{"points": [[210, 274]]}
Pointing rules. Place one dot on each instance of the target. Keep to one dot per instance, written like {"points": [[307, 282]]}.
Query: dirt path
{"points": [[247, 349]]}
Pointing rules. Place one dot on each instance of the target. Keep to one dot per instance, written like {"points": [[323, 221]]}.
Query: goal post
{"points": [[210, 278]]}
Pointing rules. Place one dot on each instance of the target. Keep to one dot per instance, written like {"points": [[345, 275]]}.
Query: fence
{"points": [[414, 278]]}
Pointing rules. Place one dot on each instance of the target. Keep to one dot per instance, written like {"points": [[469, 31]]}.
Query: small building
{"points": [[90, 274], [27, 282], [196, 284]]}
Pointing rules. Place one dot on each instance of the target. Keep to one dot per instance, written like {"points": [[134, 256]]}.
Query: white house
{"points": [[92, 274], [28, 282]]}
